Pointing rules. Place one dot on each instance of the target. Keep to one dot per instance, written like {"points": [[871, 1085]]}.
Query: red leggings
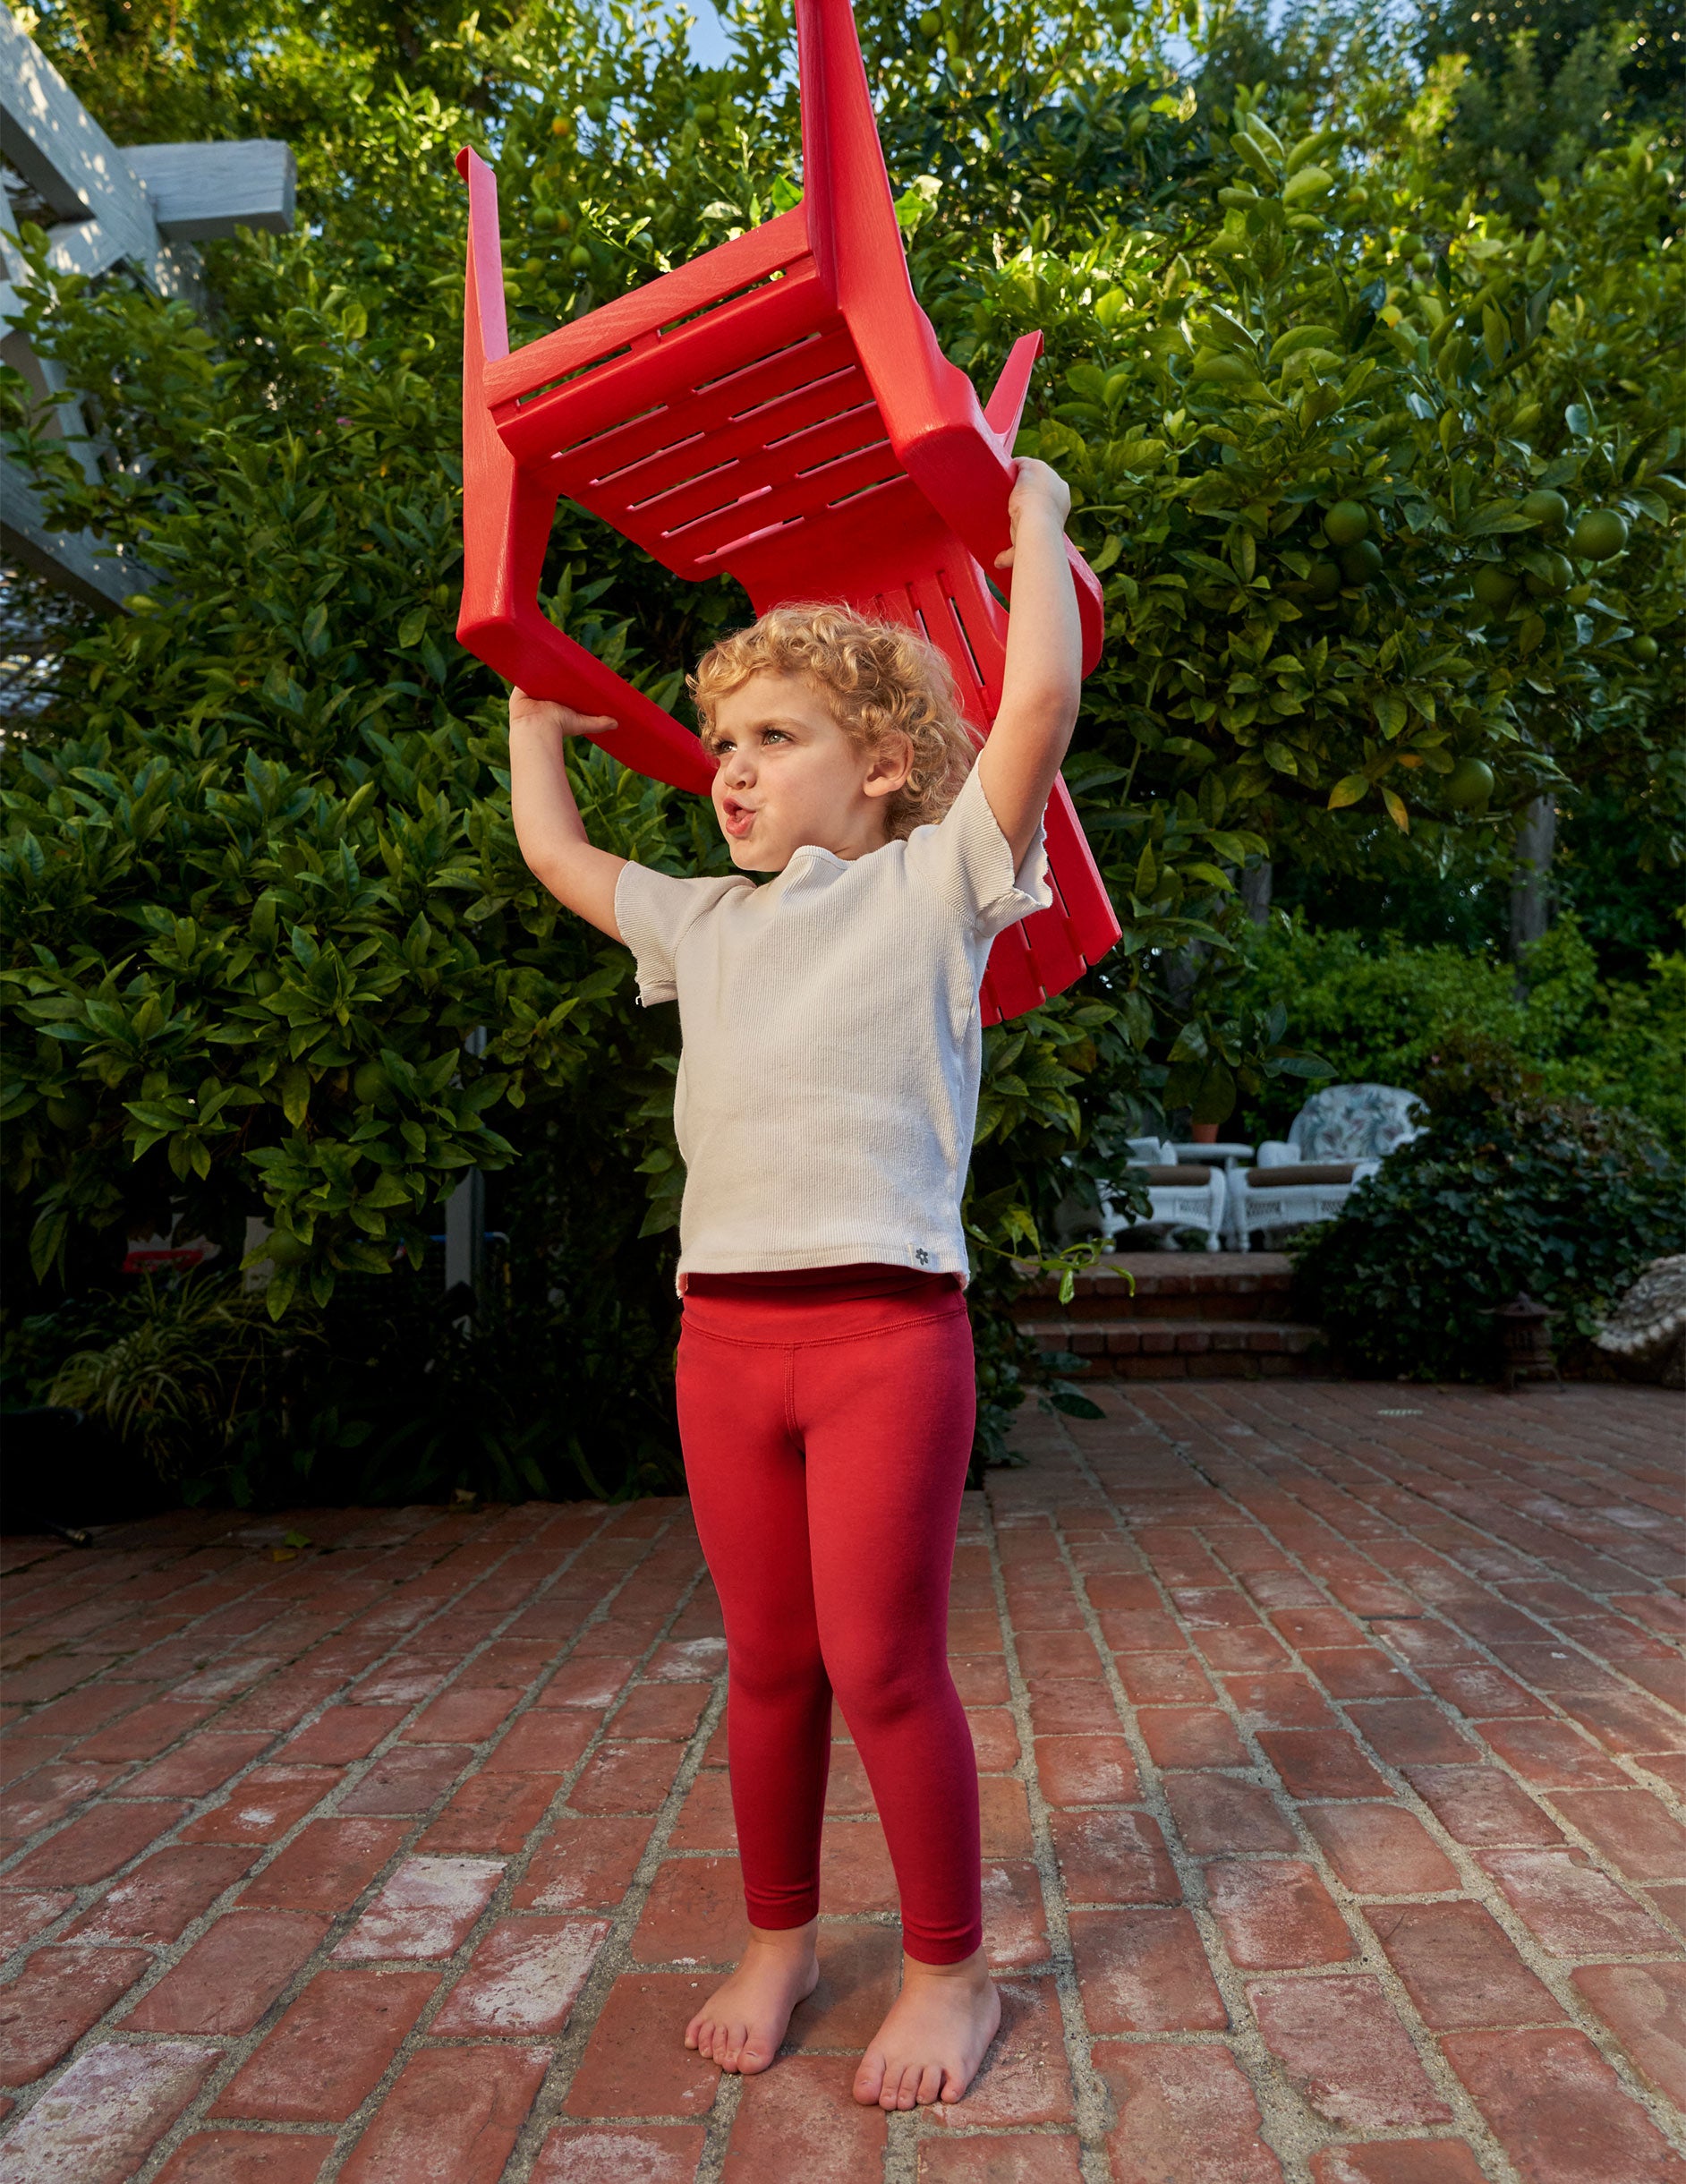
{"points": [[826, 1416]]}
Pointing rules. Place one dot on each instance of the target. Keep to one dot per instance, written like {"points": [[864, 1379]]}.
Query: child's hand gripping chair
{"points": [[778, 408]]}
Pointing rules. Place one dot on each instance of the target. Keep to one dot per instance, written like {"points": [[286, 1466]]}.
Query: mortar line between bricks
{"points": [[211, 1798], [1547, 1630], [1406, 1488], [1364, 1431], [717, 2133], [228, 2061], [1490, 1755], [1554, 1973], [208, 1614], [451, 1968], [614, 1955], [1291, 2127], [1283, 2118], [1390, 1577], [352, 1773], [1092, 2099], [105, 2029]]}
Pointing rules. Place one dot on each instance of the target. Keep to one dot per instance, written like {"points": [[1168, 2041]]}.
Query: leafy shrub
{"points": [[1383, 1015], [1506, 1189]]}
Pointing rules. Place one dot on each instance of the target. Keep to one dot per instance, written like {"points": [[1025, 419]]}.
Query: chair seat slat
{"points": [[706, 281], [742, 333]]}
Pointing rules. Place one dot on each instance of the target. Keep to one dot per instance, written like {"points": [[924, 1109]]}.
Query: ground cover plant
{"points": [[1379, 470]]}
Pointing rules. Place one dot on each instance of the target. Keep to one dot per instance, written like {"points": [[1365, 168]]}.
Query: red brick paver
{"points": [[1332, 1789]]}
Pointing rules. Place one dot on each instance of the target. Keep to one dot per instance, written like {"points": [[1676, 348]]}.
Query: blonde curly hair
{"points": [[880, 678]]}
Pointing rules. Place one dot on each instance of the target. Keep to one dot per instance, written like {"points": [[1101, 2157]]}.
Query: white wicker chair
{"points": [[1339, 1137], [1180, 1196]]}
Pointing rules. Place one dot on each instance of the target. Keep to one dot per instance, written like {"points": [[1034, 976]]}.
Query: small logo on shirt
{"points": [[922, 1255]]}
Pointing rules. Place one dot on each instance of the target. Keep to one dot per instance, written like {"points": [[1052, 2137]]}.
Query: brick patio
{"points": [[1331, 1783]]}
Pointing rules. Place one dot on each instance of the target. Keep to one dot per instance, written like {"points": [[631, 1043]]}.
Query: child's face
{"points": [[786, 774]]}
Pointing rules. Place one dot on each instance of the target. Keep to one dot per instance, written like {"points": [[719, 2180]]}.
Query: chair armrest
{"points": [[1361, 1168], [1275, 1154]]}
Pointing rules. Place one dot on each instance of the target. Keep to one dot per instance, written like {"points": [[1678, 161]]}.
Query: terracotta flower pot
{"points": [[1205, 1133]]}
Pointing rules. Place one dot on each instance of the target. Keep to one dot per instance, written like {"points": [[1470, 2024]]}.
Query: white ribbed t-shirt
{"points": [[832, 1043]]}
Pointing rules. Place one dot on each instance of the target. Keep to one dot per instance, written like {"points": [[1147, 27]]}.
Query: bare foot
{"points": [[930, 2043], [743, 2022]]}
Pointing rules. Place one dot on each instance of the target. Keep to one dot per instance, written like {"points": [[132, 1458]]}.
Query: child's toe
{"points": [[930, 2083]]}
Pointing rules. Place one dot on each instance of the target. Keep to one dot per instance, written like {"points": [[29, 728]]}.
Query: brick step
{"points": [[1219, 1286], [1183, 1349]]}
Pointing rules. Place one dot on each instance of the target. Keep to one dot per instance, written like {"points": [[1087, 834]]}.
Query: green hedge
{"points": [[1507, 1190], [1382, 1014]]}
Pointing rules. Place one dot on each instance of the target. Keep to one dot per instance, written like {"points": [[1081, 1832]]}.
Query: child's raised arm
{"points": [[548, 823], [1043, 675]]}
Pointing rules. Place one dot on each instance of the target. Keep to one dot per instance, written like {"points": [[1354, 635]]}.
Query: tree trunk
{"points": [[1530, 881], [1256, 891]]}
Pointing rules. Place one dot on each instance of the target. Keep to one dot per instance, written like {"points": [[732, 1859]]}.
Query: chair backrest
{"points": [[1361, 1122]]}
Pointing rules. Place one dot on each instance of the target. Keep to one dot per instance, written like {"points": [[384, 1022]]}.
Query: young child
{"points": [[825, 1105]]}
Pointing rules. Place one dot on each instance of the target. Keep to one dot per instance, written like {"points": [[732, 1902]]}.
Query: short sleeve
{"points": [[967, 859], [654, 911]]}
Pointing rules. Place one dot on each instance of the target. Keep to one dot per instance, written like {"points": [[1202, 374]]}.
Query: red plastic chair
{"points": [[778, 408]]}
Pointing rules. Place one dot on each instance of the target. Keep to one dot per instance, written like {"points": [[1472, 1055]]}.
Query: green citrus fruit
{"points": [[1468, 784], [1644, 650], [930, 23], [286, 1251], [1600, 534], [1346, 524], [1308, 182], [1494, 587], [264, 980], [1325, 579], [369, 1083], [1549, 511], [1362, 564], [579, 258], [1559, 574]]}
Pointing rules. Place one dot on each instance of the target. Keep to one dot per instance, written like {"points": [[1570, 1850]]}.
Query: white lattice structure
{"points": [[143, 204]]}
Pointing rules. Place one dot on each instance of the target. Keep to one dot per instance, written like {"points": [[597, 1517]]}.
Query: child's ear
{"points": [[892, 763]]}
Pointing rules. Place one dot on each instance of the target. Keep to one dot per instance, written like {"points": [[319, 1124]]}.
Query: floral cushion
{"points": [[1353, 1122]]}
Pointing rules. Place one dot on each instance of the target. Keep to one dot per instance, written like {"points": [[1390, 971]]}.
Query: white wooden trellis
{"points": [[144, 204]]}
